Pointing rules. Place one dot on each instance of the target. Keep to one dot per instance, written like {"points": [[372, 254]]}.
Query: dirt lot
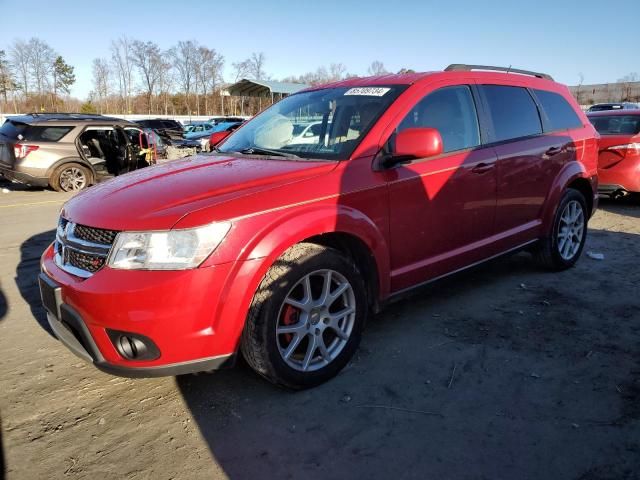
{"points": [[504, 372]]}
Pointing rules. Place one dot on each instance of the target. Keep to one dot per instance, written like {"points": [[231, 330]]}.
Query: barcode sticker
{"points": [[368, 91]]}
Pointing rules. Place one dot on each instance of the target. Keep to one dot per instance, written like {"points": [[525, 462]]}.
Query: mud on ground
{"points": [[503, 372]]}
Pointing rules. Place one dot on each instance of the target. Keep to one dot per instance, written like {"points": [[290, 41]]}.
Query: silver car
{"points": [[68, 151]]}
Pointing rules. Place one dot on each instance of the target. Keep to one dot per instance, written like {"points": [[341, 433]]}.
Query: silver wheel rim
{"points": [[316, 320], [72, 179], [570, 230]]}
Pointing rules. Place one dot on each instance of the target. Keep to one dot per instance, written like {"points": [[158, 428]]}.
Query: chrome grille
{"points": [[81, 250], [96, 235]]}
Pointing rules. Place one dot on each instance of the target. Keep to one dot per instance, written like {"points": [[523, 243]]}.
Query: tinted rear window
{"points": [[617, 124], [35, 133], [561, 115], [12, 129], [513, 112]]}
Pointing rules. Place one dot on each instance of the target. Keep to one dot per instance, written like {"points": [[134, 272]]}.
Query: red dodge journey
{"points": [[280, 244]]}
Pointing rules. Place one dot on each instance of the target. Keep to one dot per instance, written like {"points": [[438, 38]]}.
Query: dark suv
{"points": [[171, 128], [68, 151]]}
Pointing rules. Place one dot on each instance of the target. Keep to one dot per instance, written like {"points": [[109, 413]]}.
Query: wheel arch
{"points": [[356, 249], [573, 175], [334, 226], [65, 160]]}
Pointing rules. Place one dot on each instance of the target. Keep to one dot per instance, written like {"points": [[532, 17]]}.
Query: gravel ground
{"points": [[502, 372]]}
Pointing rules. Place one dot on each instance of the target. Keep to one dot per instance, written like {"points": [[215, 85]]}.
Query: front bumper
{"points": [[22, 177], [175, 310]]}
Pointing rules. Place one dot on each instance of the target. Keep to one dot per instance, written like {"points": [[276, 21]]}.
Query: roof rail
{"points": [[463, 67], [62, 114]]}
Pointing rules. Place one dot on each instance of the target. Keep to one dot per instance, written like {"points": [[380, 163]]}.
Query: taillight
{"points": [[634, 147], [22, 151]]}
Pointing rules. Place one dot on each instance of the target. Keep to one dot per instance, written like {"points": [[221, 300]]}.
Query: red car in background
{"points": [[280, 249], [619, 157]]}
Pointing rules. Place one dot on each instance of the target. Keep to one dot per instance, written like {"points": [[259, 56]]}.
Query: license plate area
{"points": [[51, 295]]}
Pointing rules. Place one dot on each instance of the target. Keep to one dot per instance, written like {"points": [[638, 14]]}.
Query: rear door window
{"points": [[512, 112], [450, 110], [560, 115]]}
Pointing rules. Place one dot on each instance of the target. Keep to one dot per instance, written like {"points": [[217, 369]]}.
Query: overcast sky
{"points": [[562, 38]]}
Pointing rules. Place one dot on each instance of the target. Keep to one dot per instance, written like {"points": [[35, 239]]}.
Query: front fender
{"points": [[270, 238]]}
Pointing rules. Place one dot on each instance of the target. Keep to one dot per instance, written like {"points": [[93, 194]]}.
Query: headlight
{"points": [[166, 250]]}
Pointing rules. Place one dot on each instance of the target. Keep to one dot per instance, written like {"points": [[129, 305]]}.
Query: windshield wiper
{"points": [[265, 151]]}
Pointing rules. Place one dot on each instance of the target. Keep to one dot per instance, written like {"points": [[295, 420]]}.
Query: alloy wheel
{"points": [[72, 179], [316, 320], [571, 230]]}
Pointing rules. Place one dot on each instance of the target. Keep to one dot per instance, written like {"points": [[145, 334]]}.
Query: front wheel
{"points": [[306, 318], [563, 247]]}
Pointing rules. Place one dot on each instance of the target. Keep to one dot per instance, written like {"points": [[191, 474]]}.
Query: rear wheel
{"points": [[70, 177], [306, 318], [563, 247]]}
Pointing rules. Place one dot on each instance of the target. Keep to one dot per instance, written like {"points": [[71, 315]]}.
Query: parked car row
{"points": [[279, 248]]}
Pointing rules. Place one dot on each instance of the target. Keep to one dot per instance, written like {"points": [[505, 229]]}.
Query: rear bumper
{"points": [[22, 177]]}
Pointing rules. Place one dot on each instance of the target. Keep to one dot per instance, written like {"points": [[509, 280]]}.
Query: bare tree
{"points": [[337, 71], [376, 68], [7, 83], [579, 88], [19, 58], [240, 70], [147, 58], [41, 61], [184, 61], [627, 85], [210, 65], [165, 81], [255, 66], [101, 74], [122, 59]]}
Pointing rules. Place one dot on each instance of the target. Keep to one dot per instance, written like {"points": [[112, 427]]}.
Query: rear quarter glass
{"points": [[37, 133]]}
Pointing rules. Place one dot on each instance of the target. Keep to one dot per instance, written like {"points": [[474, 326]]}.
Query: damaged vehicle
{"points": [[166, 147], [68, 151]]}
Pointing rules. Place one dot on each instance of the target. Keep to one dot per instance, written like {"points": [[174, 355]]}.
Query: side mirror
{"points": [[417, 143], [218, 137]]}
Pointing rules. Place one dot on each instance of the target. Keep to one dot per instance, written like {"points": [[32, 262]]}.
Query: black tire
{"points": [[547, 252], [260, 343], [58, 183]]}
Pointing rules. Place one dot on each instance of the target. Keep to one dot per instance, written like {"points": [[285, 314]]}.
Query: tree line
{"points": [[140, 77]]}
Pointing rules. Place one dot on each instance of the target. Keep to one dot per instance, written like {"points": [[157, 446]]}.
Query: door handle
{"points": [[482, 168], [553, 151]]}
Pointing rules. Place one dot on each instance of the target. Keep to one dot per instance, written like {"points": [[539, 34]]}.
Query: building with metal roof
{"points": [[264, 88]]}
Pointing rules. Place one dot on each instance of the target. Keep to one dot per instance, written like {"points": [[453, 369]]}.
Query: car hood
{"points": [[155, 198]]}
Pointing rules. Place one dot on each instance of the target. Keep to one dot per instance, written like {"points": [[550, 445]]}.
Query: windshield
{"points": [[617, 124], [326, 124]]}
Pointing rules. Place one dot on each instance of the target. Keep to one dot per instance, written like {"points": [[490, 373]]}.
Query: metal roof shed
{"points": [[264, 88]]}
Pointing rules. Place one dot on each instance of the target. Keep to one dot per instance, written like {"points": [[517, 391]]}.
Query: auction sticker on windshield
{"points": [[369, 91]]}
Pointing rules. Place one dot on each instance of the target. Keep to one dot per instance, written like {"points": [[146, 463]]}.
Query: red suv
{"points": [[280, 248]]}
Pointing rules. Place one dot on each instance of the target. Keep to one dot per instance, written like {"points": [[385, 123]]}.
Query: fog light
{"points": [[133, 346]]}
